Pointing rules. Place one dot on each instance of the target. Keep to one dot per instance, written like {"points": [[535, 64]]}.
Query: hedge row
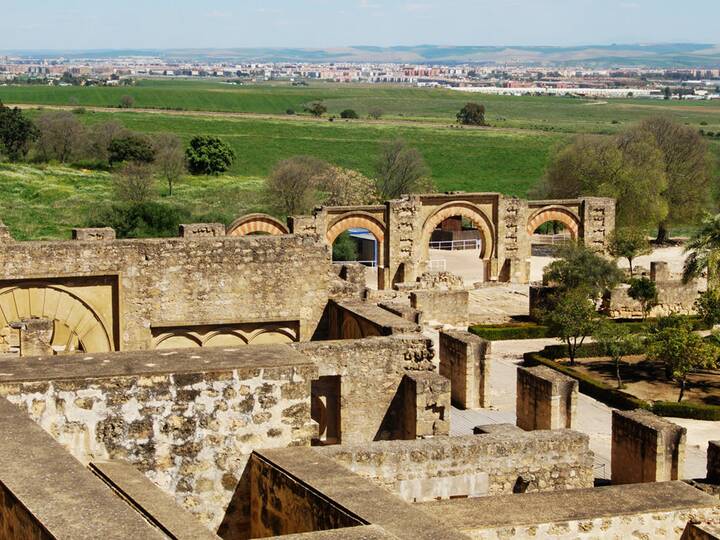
{"points": [[617, 398], [504, 332]]}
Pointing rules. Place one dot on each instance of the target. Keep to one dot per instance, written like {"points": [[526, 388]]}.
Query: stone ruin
{"points": [[223, 385]]}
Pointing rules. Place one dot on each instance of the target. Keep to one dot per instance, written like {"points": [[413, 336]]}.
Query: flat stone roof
{"points": [[116, 364], [569, 505], [57, 490], [377, 315]]}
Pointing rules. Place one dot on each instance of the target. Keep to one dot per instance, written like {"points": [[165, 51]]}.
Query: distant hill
{"points": [[663, 55]]}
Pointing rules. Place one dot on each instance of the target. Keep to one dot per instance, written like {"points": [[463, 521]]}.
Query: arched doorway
{"points": [[548, 228], [458, 238], [256, 224], [359, 237], [76, 325]]}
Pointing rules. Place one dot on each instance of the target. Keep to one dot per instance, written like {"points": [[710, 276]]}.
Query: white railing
{"points": [[371, 264], [551, 239], [452, 245], [437, 265]]}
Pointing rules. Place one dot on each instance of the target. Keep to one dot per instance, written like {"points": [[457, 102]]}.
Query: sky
{"points": [[162, 24]]}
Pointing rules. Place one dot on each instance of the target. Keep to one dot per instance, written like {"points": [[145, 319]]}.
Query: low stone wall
{"points": [[545, 399], [446, 307], [357, 320], [464, 361], [371, 372], [642, 511], [473, 465], [646, 448], [188, 419]]}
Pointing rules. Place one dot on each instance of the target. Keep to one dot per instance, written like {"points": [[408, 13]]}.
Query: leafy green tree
{"points": [[688, 167], [628, 167], [349, 114], [616, 341], [578, 267], [682, 351], [472, 114], [401, 170], [704, 252], [137, 148], [708, 306], [208, 155], [292, 187], [141, 220], [169, 158], [629, 243], [644, 291], [345, 248], [317, 109], [573, 318], [17, 131]]}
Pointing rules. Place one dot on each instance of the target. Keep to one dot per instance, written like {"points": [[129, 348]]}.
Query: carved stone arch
{"points": [[555, 213], [76, 323], [356, 220], [178, 340], [272, 336], [224, 337], [257, 223], [466, 210]]}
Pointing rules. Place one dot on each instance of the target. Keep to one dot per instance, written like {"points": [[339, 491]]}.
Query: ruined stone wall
{"points": [[281, 505], [713, 462], [190, 430], [474, 465], [371, 372], [426, 408], [181, 282], [545, 399], [464, 361], [447, 307]]}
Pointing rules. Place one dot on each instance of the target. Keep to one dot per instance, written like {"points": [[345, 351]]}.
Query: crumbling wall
{"points": [[473, 465], [371, 372], [545, 399], [447, 307], [426, 407], [188, 420], [464, 361]]}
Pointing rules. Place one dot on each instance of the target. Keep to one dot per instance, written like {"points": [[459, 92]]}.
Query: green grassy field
{"points": [[439, 105], [44, 202]]}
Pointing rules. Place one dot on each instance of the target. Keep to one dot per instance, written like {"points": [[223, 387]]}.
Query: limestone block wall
{"points": [[473, 465], [545, 399], [646, 448], [187, 419], [713, 462], [184, 282], [371, 372], [447, 307], [426, 409], [464, 361]]}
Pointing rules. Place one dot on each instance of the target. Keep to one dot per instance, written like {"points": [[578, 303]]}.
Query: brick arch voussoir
{"points": [[564, 216], [254, 223]]}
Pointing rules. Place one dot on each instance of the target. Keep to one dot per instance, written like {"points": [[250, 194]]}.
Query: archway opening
{"points": [[456, 245], [549, 228], [359, 246]]}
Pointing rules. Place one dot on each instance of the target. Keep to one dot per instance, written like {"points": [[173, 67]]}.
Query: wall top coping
{"points": [[569, 505], [126, 364], [464, 336], [647, 419], [547, 374], [377, 315], [57, 490], [361, 532]]}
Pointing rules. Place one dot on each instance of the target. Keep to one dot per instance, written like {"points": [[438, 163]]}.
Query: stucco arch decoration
{"points": [[466, 210], [355, 220], [555, 213], [257, 223], [77, 325]]}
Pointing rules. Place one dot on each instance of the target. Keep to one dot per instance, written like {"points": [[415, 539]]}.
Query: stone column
{"points": [[463, 360], [646, 448], [35, 336], [545, 399], [713, 462]]}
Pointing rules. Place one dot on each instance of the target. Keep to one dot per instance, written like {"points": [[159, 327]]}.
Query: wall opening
{"points": [[325, 409], [456, 246]]}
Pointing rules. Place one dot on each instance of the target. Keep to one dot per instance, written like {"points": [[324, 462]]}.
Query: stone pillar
{"points": [[713, 462], [35, 336], [463, 360], [659, 271], [545, 399], [202, 230], [426, 405], [646, 448], [97, 234]]}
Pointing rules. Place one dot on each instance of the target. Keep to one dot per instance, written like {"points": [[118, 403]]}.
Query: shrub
{"points": [[131, 148], [697, 411], [208, 155], [141, 220], [349, 114], [290, 112], [708, 306]]}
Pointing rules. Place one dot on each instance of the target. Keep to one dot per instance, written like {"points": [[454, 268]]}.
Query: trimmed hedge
{"points": [[612, 396], [530, 330]]}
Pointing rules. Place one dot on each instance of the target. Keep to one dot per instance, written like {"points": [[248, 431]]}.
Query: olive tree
{"points": [[616, 341], [629, 243], [572, 318]]}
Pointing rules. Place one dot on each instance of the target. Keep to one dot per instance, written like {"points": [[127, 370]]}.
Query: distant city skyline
{"points": [[159, 24]]}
